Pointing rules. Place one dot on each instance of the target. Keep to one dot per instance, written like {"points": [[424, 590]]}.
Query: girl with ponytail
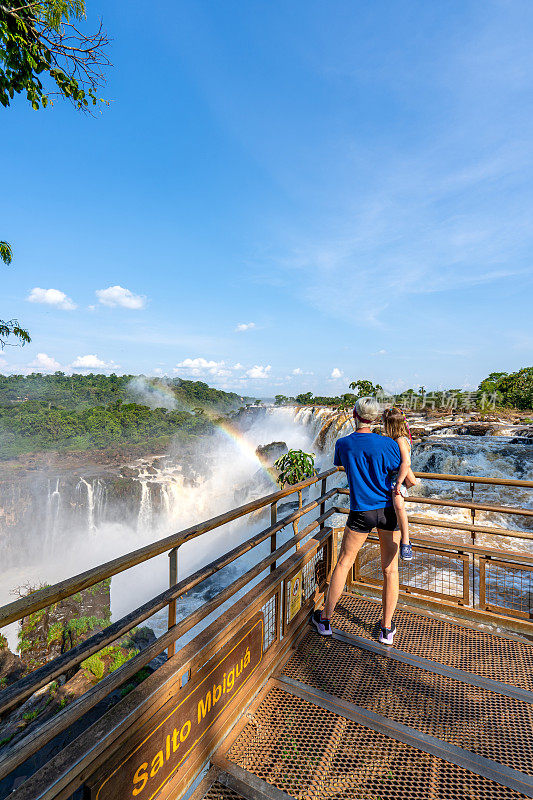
{"points": [[395, 425]]}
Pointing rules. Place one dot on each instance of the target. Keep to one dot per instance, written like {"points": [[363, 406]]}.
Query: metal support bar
{"points": [[172, 581], [273, 538], [248, 785], [323, 505]]}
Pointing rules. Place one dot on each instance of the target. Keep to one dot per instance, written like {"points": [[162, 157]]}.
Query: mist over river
{"points": [[56, 523]]}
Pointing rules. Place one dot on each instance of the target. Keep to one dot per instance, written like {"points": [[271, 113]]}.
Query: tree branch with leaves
{"points": [[10, 327], [46, 37]]}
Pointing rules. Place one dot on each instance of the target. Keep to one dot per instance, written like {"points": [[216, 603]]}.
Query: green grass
{"points": [[96, 665]]}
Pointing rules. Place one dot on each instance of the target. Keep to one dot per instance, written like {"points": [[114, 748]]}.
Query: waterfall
{"points": [[145, 508], [91, 527], [53, 515]]}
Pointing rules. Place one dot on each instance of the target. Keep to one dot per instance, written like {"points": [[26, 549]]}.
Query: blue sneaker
{"points": [[322, 625], [386, 635], [406, 552]]}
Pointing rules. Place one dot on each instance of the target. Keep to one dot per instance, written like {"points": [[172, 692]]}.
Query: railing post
{"points": [[473, 511], [323, 504], [482, 585], [273, 538], [172, 581]]}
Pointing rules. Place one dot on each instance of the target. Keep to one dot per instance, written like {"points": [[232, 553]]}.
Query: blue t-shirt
{"points": [[369, 459]]}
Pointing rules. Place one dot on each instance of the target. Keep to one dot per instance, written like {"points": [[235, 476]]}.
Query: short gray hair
{"points": [[367, 408]]}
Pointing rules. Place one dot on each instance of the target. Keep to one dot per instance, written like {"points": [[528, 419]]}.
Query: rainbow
{"points": [[232, 433], [223, 425]]}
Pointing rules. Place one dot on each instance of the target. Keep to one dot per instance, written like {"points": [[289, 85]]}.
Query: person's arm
{"points": [[410, 479], [336, 458], [405, 465]]}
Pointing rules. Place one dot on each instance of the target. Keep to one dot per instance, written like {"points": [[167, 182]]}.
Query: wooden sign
{"points": [[295, 595], [157, 751]]}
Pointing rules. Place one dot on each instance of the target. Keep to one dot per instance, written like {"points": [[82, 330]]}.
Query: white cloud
{"points": [[91, 362], [51, 297], [118, 296], [245, 326], [336, 374], [299, 371], [201, 366], [259, 371], [3, 362], [238, 366], [46, 362]]}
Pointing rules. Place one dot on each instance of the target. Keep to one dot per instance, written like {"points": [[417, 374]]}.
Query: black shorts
{"points": [[365, 521]]}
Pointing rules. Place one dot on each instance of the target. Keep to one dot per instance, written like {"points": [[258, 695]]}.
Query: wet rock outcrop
{"points": [[48, 633], [475, 429], [269, 453]]}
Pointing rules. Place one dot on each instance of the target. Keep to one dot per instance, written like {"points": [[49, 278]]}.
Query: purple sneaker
{"points": [[386, 635], [406, 552], [322, 625]]}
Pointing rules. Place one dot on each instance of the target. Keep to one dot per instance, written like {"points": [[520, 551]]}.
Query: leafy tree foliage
{"points": [[305, 398], [76, 412], [366, 388], [488, 385], [45, 38], [497, 389], [6, 253], [10, 327], [514, 390], [295, 466]]}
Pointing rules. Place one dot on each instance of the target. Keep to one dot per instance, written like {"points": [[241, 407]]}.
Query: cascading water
{"points": [[145, 507], [53, 514]]}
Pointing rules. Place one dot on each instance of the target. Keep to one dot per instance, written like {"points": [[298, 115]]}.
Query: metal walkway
{"points": [[445, 715]]}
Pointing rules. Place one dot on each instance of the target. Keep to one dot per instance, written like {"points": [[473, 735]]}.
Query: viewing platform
{"points": [[258, 706]]}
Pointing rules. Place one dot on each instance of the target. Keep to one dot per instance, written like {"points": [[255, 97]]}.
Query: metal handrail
{"points": [[24, 687], [475, 479], [11, 612], [20, 752], [435, 476]]}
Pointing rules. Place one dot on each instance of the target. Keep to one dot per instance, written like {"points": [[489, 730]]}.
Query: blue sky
{"points": [[282, 193]]}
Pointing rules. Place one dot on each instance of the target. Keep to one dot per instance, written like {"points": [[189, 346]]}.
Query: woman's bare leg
{"points": [[352, 542], [389, 545], [401, 516]]}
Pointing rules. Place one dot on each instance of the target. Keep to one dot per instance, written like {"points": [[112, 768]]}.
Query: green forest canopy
{"points": [[499, 389], [78, 412]]}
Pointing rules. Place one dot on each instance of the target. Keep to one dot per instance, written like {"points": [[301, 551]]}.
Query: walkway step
{"points": [[489, 724], [318, 748], [491, 656], [484, 767], [434, 666]]}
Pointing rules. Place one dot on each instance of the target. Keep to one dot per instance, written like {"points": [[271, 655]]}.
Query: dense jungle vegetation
{"points": [[498, 390], [79, 412]]}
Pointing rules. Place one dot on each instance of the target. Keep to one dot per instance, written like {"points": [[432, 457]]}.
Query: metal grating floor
{"points": [[310, 752], [449, 709], [349, 722], [494, 657], [217, 791]]}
